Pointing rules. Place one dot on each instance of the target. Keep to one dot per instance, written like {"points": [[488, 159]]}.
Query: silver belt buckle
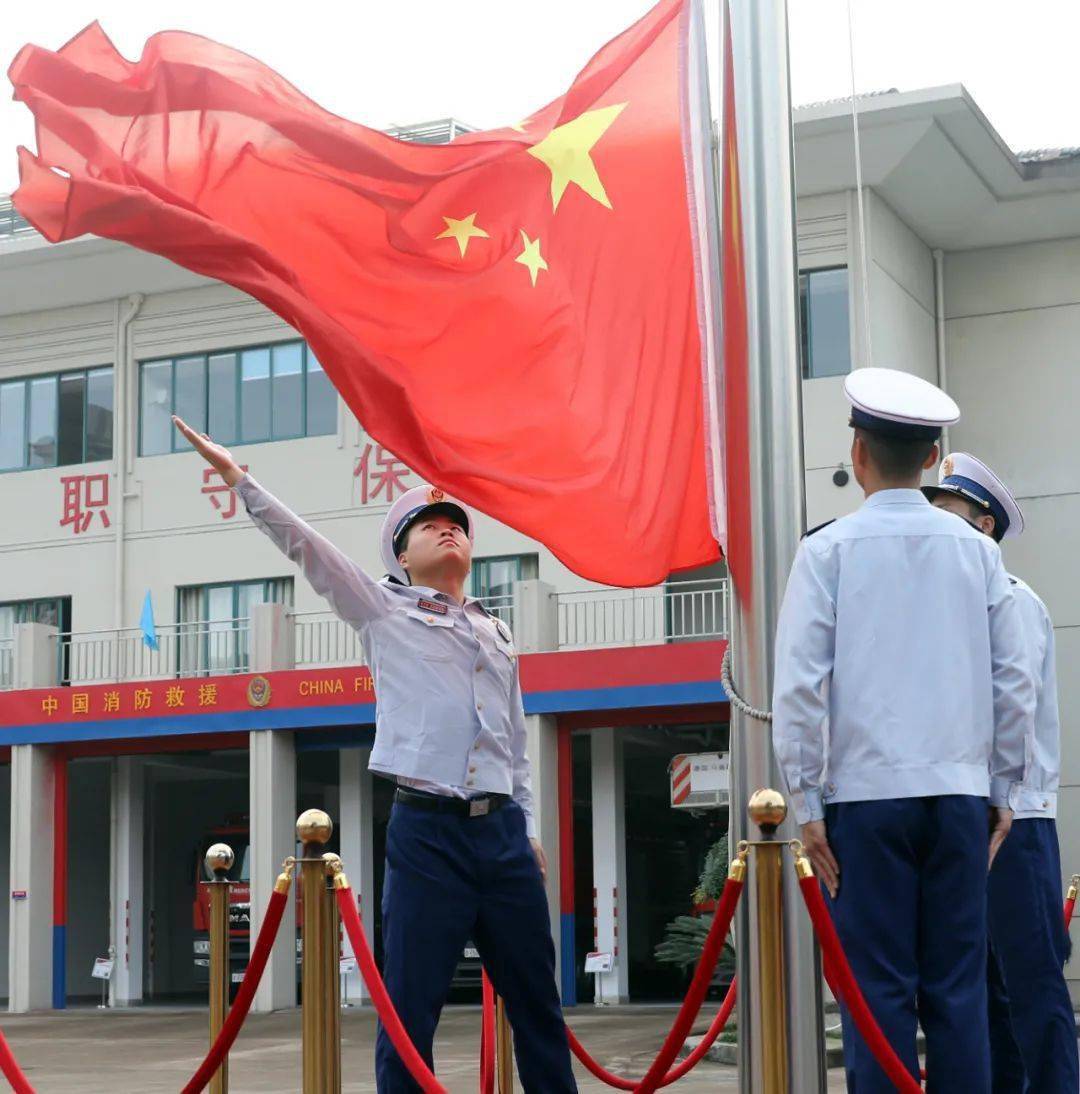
{"points": [[479, 807]]}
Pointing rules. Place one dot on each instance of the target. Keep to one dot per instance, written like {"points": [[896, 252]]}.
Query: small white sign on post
{"points": [[103, 968], [599, 962], [700, 780], [346, 965]]}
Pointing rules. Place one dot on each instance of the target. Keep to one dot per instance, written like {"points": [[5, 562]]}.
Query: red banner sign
{"points": [[218, 694]]}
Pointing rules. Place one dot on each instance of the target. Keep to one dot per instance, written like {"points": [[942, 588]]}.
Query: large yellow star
{"points": [[531, 256], [462, 230], [567, 151]]}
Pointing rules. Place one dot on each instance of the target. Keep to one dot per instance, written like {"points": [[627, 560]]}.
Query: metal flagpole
{"points": [[776, 510]]}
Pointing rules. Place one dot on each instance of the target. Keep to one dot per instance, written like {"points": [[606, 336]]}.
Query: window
{"points": [[54, 611], [56, 420], [262, 393], [321, 399], [213, 623], [493, 582], [826, 338]]}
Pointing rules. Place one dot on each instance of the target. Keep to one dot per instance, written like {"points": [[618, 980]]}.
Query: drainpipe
{"points": [[939, 309], [126, 310]]}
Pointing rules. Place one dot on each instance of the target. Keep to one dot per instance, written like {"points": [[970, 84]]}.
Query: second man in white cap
{"points": [[1032, 1028]]}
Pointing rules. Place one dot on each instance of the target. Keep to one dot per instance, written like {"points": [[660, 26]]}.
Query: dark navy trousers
{"points": [[450, 878], [911, 914], [1032, 1029]]}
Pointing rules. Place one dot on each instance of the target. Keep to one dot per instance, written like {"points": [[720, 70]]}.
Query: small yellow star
{"points": [[567, 151], [531, 256], [520, 126], [462, 230]]}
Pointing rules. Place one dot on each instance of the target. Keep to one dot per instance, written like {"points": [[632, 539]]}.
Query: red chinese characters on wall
{"points": [[381, 474], [214, 485], [85, 496]]}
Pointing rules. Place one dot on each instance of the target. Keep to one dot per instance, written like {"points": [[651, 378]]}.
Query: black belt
{"points": [[463, 807]]}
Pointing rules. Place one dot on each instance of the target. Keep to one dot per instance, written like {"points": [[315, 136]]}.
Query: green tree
{"points": [[684, 936]]}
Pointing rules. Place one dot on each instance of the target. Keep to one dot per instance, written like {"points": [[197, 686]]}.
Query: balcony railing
{"points": [[324, 640], [214, 648], [686, 611], [502, 607]]}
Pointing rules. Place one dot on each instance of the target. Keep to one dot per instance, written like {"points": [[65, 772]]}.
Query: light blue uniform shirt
{"points": [[1037, 796], [901, 668], [448, 714]]}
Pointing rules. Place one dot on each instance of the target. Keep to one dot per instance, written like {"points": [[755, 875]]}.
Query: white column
{"points": [[272, 790], [536, 629], [30, 932], [542, 745], [357, 833], [272, 638], [536, 617], [609, 861], [126, 880], [35, 654]]}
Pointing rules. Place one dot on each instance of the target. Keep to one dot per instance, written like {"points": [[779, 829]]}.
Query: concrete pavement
{"points": [[154, 1050]]}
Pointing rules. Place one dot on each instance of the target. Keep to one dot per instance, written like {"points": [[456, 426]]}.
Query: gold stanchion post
{"points": [[767, 809], [313, 829], [332, 982], [219, 861], [504, 1048]]}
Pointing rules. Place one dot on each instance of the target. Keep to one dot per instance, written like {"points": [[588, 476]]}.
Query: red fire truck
{"points": [[235, 833]]}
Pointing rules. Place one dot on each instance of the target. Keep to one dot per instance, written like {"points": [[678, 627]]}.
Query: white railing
{"points": [[183, 649], [502, 607], [678, 612], [7, 663], [322, 640], [684, 611]]}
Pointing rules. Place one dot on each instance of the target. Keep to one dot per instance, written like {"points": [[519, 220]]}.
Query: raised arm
{"points": [[354, 595]]}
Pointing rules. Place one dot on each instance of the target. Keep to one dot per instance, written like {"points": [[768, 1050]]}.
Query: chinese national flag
{"points": [[519, 315]]}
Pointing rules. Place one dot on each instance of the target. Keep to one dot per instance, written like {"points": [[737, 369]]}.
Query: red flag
{"points": [[517, 315]]}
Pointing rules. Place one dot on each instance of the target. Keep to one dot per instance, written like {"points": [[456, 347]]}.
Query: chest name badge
{"points": [[432, 606], [504, 630]]}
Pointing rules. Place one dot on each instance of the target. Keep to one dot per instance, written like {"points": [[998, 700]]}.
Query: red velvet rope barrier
{"points": [[412, 1059], [487, 1038], [12, 1072], [1070, 907], [657, 1075], [699, 986], [676, 1073], [244, 994], [840, 974]]}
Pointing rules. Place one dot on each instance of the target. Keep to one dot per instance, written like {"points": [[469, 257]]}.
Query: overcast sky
{"points": [[489, 62]]}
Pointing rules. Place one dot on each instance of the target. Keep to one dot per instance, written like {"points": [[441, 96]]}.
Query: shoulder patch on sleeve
{"points": [[811, 531]]}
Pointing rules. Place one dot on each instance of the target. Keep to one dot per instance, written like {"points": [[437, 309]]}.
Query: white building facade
{"points": [[972, 258]]}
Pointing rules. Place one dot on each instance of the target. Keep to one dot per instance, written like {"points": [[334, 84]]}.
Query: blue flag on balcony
{"points": [[147, 622]]}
